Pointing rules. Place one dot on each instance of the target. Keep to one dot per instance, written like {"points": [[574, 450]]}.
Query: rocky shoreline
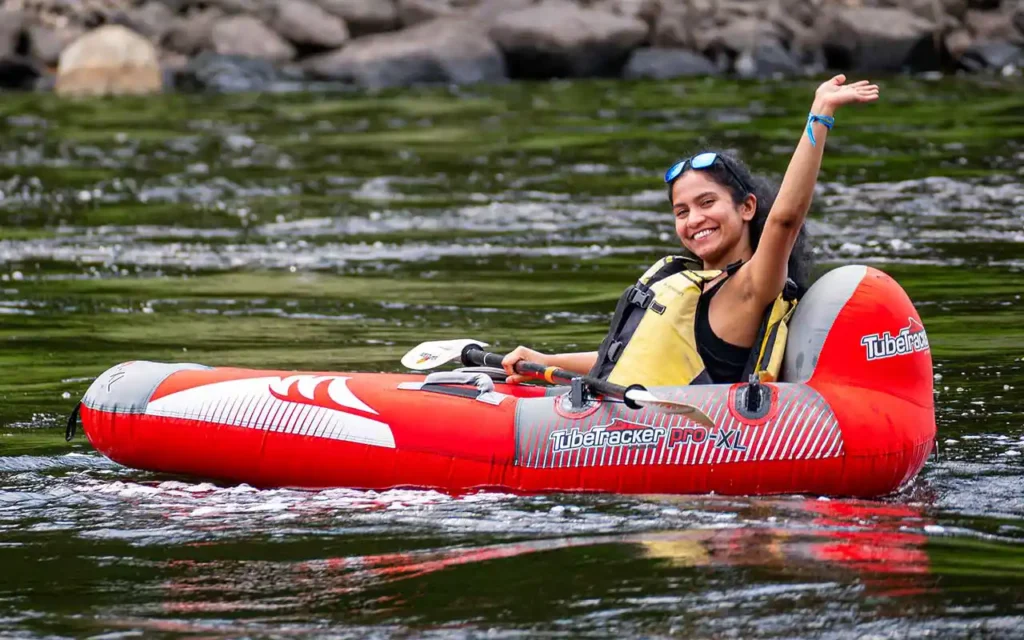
{"points": [[143, 46]]}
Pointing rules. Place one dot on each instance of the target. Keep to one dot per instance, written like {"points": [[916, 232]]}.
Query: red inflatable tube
{"points": [[853, 416]]}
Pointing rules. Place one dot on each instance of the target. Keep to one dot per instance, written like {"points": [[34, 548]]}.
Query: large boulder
{"points": [[412, 12], [663, 64], [736, 36], [364, 17], [13, 35], [151, 20], [674, 27], [993, 26], [308, 25], [243, 35], [192, 33], [687, 24], [486, 11], [767, 59], [449, 50], [878, 39], [646, 10], [109, 60], [992, 56], [560, 39], [235, 6], [48, 43]]}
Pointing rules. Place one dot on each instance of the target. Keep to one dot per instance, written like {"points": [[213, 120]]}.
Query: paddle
{"points": [[429, 355]]}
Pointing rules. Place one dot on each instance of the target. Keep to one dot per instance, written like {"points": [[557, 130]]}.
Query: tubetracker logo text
{"points": [[910, 339], [628, 435]]}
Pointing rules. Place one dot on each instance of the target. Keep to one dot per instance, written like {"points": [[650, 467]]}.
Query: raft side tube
{"points": [[857, 338], [127, 387]]}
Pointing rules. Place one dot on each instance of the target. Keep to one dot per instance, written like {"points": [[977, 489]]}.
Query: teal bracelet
{"points": [[828, 121]]}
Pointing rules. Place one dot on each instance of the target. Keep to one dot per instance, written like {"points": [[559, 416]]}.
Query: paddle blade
{"points": [[648, 400], [429, 355]]}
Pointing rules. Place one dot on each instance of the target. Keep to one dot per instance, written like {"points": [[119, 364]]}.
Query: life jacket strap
{"points": [[614, 351]]}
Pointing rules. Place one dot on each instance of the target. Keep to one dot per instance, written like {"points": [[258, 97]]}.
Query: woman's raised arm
{"points": [[767, 267]]}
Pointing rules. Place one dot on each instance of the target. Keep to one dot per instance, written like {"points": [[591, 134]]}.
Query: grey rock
{"points": [[226, 74], [952, 8], [992, 56], [486, 11], [767, 60], [364, 17], [878, 39], [307, 24], [244, 35], [447, 50], [560, 39], [193, 33], [646, 10], [686, 25], [175, 6], [13, 36], [47, 44], [411, 12], [796, 11], [804, 42], [151, 20], [664, 64], [736, 36], [932, 10], [257, 7], [674, 27], [993, 26]]}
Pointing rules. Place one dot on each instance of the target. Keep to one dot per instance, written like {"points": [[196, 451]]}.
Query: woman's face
{"points": [[707, 221]]}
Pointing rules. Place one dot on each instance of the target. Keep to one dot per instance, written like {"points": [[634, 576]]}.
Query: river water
{"points": [[321, 231]]}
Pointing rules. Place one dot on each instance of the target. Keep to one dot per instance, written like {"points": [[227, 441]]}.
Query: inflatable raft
{"points": [[852, 415]]}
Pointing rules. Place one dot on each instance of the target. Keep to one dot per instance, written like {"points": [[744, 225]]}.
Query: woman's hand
{"points": [[835, 93], [518, 354]]}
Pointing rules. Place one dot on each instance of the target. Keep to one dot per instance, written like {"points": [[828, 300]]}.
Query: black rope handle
{"points": [[69, 433]]}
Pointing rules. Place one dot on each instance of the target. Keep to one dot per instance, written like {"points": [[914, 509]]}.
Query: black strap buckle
{"points": [[614, 351], [641, 297]]}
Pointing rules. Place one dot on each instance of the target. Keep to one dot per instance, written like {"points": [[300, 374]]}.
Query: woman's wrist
{"points": [[822, 108]]}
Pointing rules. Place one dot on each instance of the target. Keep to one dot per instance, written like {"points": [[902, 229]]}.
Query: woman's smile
{"points": [[703, 233]]}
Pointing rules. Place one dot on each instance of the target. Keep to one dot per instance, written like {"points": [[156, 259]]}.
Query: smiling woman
{"points": [[717, 324]]}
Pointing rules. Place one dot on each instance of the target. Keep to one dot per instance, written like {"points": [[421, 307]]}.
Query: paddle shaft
{"points": [[473, 355]]}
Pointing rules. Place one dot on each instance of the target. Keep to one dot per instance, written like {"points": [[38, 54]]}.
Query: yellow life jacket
{"points": [[652, 341]]}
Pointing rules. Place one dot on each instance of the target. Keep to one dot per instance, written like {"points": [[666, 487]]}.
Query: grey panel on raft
{"points": [[608, 434], [813, 319], [128, 387]]}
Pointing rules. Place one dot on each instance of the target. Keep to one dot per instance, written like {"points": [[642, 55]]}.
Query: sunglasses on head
{"points": [[702, 161]]}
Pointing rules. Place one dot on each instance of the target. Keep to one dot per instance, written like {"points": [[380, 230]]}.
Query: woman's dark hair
{"points": [[765, 192]]}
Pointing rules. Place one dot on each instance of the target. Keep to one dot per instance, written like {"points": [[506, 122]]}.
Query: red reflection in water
{"points": [[875, 542]]}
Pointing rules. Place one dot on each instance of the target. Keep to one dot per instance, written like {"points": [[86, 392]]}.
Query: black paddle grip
{"points": [[473, 355]]}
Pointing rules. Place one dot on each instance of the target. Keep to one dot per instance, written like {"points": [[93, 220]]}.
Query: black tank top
{"points": [[723, 361]]}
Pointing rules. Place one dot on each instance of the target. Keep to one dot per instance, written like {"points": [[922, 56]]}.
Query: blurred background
{"points": [[143, 46]]}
